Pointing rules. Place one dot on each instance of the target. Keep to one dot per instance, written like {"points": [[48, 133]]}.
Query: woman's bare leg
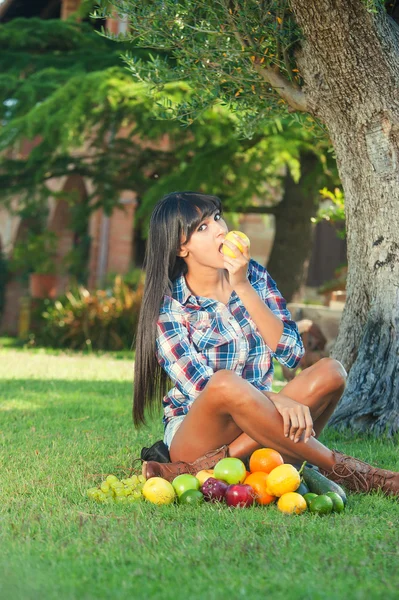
{"points": [[229, 406], [319, 387]]}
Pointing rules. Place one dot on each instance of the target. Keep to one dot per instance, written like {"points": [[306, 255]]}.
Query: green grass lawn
{"points": [[65, 423]]}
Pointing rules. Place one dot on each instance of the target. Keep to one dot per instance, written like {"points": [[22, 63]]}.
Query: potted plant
{"points": [[35, 256]]}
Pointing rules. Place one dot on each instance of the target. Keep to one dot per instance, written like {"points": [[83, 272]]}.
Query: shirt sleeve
{"points": [[290, 348], [186, 367]]}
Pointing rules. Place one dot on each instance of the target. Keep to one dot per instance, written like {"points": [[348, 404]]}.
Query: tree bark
{"points": [[292, 244], [350, 63]]}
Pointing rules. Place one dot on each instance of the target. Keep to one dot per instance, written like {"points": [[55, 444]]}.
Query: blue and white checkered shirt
{"points": [[198, 336]]}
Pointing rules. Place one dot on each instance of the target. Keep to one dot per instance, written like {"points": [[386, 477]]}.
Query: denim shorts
{"points": [[171, 429]]}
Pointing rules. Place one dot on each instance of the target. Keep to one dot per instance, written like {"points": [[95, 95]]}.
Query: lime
{"points": [[309, 497], [338, 503], [191, 497], [322, 505]]}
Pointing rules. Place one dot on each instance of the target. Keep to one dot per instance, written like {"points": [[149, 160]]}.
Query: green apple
{"points": [[185, 482], [231, 470]]}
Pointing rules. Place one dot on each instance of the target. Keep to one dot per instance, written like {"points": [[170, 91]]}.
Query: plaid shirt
{"points": [[197, 336]]}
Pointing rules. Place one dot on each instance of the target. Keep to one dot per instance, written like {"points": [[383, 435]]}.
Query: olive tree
{"points": [[330, 61]]}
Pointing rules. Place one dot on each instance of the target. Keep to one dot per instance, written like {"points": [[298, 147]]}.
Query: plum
{"points": [[214, 490]]}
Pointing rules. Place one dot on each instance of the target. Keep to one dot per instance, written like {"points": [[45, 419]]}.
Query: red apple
{"points": [[214, 489], [240, 495]]}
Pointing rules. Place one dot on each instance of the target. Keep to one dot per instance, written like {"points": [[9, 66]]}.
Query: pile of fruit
{"points": [[269, 481]]}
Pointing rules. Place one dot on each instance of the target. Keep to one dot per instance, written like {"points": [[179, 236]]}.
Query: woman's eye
{"points": [[217, 217]]}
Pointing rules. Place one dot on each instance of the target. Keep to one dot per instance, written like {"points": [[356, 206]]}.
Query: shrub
{"points": [[35, 254], [132, 279], [99, 320]]}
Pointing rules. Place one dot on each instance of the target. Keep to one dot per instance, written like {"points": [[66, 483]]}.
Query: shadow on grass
{"points": [[68, 408]]}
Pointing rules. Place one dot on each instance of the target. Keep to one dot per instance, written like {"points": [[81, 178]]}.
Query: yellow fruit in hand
{"points": [[283, 479], [292, 503], [231, 238], [158, 491]]}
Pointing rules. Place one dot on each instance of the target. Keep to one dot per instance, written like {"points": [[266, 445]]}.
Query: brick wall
{"points": [[68, 7], [111, 240]]}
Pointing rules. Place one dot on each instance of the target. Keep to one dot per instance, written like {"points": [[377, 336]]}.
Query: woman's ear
{"points": [[182, 252]]}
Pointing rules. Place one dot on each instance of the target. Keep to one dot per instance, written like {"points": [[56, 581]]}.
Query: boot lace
{"points": [[370, 478]]}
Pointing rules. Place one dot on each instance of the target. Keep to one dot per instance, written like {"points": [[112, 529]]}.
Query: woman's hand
{"points": [[237, 266], [296, 417]]}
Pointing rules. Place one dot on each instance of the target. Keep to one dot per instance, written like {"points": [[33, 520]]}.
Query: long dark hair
{"points": [[175, 216]]}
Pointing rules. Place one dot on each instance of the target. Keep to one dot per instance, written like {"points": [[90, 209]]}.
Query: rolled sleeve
{"points": [[290, 349], [185, 366]]}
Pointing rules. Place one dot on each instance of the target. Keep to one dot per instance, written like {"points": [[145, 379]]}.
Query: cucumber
{"points": [[318, 484]]}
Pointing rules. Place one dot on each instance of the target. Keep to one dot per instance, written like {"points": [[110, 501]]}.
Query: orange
{"points": [[265, 459], [258, 482]]}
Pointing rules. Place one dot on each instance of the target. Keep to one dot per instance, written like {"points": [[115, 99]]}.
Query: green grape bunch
{"points": [[113, 490]]}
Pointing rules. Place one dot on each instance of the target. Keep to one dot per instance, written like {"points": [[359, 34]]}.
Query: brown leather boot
{"points": [[359, 476], [170, 470]]}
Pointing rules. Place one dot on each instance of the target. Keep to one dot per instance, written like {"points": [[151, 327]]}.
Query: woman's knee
{"points": [[331, 373], [223, 380], [223, 385]]}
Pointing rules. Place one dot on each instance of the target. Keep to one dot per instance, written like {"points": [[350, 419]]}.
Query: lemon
{"points": [[291, 502], [231, 238], [283, 479], [158, 491]]}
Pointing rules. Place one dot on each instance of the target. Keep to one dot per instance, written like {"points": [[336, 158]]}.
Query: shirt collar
{"points": [[182, 293]]}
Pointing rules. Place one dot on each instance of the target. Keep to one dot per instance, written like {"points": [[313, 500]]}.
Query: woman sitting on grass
{"points": [[213, 324]]}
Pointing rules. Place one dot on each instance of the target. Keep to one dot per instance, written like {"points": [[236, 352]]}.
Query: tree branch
{"points": [[295, 97]]}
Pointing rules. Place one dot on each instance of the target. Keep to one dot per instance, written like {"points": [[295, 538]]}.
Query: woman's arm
{"points": [[268, 311], [269, 325]]}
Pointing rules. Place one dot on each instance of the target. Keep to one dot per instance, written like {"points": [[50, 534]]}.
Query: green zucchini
{"points": [[318, 484]]}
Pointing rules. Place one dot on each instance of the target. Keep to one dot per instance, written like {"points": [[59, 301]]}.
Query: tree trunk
{"points": [[292, 244], [350, 63]]}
